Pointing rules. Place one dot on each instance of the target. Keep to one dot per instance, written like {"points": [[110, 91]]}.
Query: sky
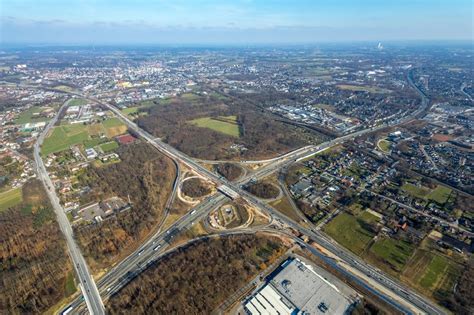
{"points": [[232, 21]]}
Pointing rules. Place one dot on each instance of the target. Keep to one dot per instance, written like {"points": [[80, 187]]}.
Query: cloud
{"points": [[140, 31]]}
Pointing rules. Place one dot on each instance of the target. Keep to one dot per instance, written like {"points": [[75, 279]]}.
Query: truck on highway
{"points": [[157, 248]]}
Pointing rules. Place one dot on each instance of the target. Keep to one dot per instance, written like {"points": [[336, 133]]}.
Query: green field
{"points": [[384, 145], [63, 137], [284, 206], [224, 124], [114, 127], [64, 88], [190, 96], [130, 110], [78, 102], [109, 146], [415, 191], [440, 194], [362, 88], [112, 122], [218, 96], [391, 252], [10, 198], [90, 143], [69, 286], [435, 268], [28, 116], [134, 110], [110, 127], [441, 273], [431, 272], [349, 231]]}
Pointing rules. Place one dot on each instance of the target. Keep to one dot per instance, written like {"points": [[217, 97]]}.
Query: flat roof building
{"points": [[298, 289]]}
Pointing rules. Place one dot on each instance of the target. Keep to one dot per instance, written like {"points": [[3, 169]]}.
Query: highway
{"points": [[87, 284], [172, 195], [137, 261], [124, 271], [355, 262]]}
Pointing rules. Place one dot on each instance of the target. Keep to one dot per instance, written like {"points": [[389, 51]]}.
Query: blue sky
{"points": [[237, 21]]}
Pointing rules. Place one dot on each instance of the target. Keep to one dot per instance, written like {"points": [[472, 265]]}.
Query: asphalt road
{"points": [[139, 257], [87, 284], [343, 254], [135, 263]]}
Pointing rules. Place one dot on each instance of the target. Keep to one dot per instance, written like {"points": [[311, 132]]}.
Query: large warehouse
{"points": [[298, 289]]}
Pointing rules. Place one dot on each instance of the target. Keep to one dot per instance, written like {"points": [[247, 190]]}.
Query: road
{"points": [[123, 272], [247, 162], [402, 205], [139, 257], [356, 263], [463, 86], [349, 259], [172, 195], [420, 212], [87, 284], [428, 157]]}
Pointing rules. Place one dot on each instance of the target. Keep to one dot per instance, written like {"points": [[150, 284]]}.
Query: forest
{"points": [[145, 176], [263, 190], [229, 171], [261, 135], [34, 263], [196, 278], [195, 188]]}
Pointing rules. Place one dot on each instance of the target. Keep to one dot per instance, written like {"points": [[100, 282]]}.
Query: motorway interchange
{"points": [[407, 301]]}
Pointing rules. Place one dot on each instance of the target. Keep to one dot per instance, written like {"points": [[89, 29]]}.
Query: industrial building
{"points": [[297, 288]]}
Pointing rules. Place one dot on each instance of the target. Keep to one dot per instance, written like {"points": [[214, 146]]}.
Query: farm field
{"points": [[349, 230], [64, 136], [109, 146], [78, 102], [64, 88], [134, 110], [114, 127], [223, 124], [431, 272], [130, 110], [30, 116], [362, 88], [415, 191], [391, 254], [10, 198], [440, 194], [156, 101]]}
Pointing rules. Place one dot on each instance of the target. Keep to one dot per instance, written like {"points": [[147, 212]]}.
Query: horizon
{"points": [[243, 22], [302, 45]]}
